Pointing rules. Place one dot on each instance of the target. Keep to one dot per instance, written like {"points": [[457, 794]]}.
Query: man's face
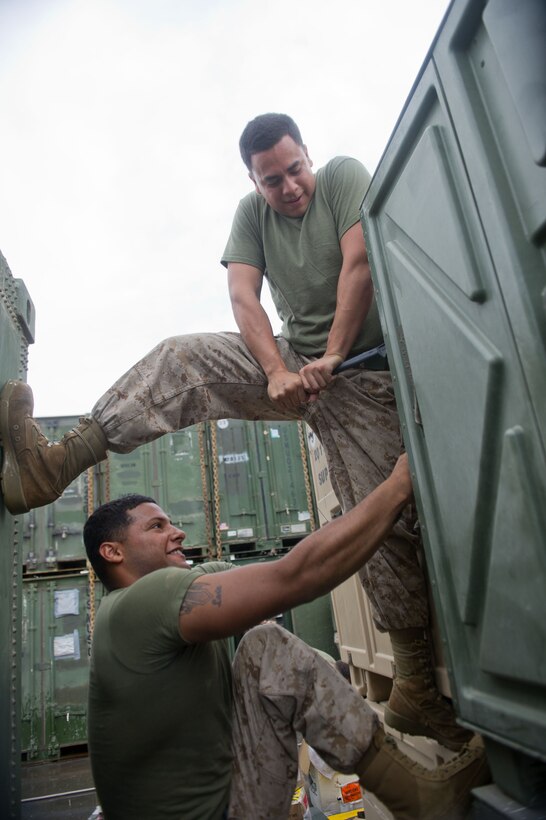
{"points": [[151, 542], [283, 176]]}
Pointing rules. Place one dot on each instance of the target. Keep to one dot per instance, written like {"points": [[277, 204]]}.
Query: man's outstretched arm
{"points": [[227, 603]]}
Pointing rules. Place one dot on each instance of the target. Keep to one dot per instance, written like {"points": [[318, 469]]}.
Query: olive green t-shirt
{"points": [[301, 256], [159, 708]]}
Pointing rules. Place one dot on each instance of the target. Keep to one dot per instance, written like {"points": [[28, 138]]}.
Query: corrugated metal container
{"points": [[455, 221], [57, 617], [290, 496], [234, 486], [17, 320], [239, 491], [174, 471], [52, 535], [264, 499]]}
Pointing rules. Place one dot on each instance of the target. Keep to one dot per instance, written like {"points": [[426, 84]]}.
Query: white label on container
{"points": [[232, 533], [234, 458], [298, 528], [67, 602], [274, 433], [67, 646], [304, 516], [247, 532], [222, 423]]}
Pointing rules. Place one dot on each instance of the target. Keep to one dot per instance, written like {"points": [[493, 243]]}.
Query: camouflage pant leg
{"points": [[183, 381], [358, 425], [282, 686], [193, 378]]}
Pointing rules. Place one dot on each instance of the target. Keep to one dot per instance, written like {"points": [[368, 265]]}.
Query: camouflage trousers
{"points": [[281, 687], [198, 377]]}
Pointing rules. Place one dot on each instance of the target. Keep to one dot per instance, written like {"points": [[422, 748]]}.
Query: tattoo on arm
{"points": [[200, 596]]}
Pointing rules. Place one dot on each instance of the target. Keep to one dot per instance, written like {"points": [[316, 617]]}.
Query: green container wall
{"points": [[52, 535], [57, 613], [264, 502], [187, 484], [16, 333], [290, 499], [169, 470], [455, 223], [242, 490]]}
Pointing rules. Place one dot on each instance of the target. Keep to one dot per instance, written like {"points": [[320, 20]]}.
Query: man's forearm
{"points": [[338, 550], [354, 299], [257, 333]]}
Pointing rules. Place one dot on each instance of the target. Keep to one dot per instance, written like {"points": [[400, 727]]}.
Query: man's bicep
{"points": [[244, 280], [353, 246], [226, 603]]}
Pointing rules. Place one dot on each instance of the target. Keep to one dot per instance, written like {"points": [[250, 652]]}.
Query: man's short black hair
{"points": [[109, 523], [265, 131]]}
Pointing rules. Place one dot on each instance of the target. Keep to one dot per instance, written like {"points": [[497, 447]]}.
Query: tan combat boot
{"points": [[412, 792], [415, 706], [34, 471]]}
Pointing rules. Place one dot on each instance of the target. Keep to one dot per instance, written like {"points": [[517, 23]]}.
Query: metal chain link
{"points": [[91, 571], [308, 491], [216, 489], [204, 485], [107, 478]]}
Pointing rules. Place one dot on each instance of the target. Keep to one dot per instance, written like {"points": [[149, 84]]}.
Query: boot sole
{"points": [[10, 480], [413, 727]]}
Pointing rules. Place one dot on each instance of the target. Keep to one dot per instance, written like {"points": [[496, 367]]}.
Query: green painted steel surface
{"points": [[455, 221], [52, 535], [16, 333], [290, 516], [262, 492], [57, 613], [242, 487], [168, 470]]}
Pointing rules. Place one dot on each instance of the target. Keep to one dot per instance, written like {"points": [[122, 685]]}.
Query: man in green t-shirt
{"points": [[174, 733], [302, 232]]}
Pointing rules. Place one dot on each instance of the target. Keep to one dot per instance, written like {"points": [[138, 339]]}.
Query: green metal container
{"points": [[57, 617], [52, 535], [16, 333], [289, 499], [239, 487], [264, 500], [455, 222], [173, 471]]}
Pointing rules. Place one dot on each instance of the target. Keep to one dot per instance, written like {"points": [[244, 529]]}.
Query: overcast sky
{"points": [[119, 165]]}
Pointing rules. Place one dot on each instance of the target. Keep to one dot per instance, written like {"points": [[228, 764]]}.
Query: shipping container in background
{"points": [[57, 622], [174, 470]]}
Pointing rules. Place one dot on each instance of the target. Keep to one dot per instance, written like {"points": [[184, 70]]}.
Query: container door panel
{"points": [[186, 495], [242, 483], [290, 504], [454, 221]]}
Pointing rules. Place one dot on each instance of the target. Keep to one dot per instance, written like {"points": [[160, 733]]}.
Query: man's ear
{"points": [[111, 552], [254, 183]]}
